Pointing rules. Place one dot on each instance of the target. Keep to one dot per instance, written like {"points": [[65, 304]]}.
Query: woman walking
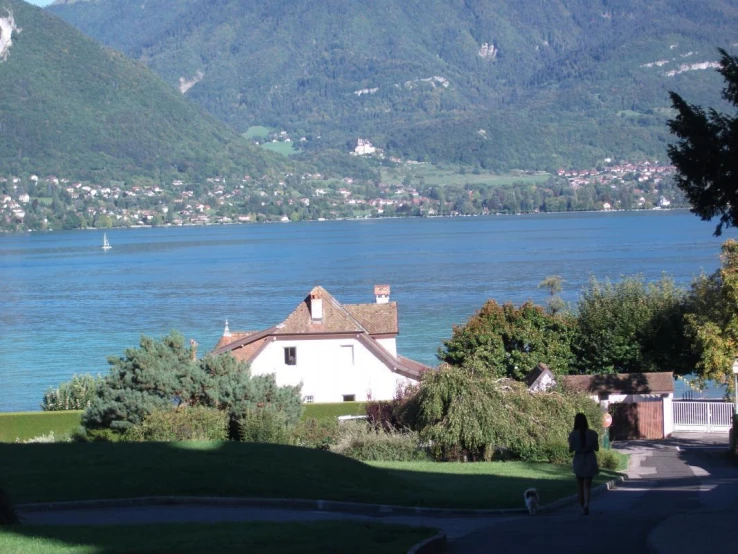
{"points": [[584, 443]]}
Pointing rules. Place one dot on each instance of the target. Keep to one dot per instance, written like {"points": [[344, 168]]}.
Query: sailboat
{"points": [[106, 244]]}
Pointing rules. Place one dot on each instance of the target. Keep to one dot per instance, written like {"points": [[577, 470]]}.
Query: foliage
{"points": [[315, 433], [553, 283], [42, 439], [506, 341], [480, 417], [163, 374], [706, 154], [72, 107], [389, 414], [26, 425], [262, 425], [548, 84], [196, 423], [631, 326], [608, 459], [75, 394], [357, 439], [712, 318]]}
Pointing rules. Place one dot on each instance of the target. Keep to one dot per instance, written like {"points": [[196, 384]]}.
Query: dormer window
{"points": [[290, 355]]}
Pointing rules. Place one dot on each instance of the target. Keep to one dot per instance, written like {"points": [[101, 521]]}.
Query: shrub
{"points": [[358, 440], [76, 394], [608, 459], [180, 424], [390, 414], [484, 417], [43, 439], [263, 425], [315, 433], [556, 453]]}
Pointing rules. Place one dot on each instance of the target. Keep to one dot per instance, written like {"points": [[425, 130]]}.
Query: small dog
{"points": [[532, 500]]}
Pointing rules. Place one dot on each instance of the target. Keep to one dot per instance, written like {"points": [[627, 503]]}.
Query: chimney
{"points": [[381, 293], [226, 331], [316, 307]]}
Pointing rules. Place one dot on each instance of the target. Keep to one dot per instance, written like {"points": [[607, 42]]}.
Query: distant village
{"points": [[52, 202]]}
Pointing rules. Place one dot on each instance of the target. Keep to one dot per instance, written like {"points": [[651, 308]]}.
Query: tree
{"points": [[712, 319], [553, 283], [706, 155], [508, 342], [163, 375], [631, 326]]}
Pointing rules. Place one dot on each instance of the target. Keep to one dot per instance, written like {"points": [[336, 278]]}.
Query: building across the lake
{"points": [[339, 352]]}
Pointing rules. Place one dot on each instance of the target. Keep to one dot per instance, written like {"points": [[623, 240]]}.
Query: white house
{"points": [[339, 352]]}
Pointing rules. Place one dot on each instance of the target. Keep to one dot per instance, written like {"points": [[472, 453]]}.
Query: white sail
{"points": [[106, 244]]}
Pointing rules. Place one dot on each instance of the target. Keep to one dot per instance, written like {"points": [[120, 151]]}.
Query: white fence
{"points": [[707, 417]]}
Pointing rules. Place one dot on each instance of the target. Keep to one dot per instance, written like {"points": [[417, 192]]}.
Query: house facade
{"points": [[339, 352]]}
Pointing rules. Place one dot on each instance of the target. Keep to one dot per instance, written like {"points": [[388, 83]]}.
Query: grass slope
{"points": [[70, 107], [275, 538], [73, 471]]}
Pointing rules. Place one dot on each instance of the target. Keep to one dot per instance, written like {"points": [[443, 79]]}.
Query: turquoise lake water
{"points": [[67, 305]]}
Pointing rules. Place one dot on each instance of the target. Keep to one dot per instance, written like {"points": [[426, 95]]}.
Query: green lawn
{"points": [[277, 538], [80, 471], [257, 131], [26, 425], [333, 410], [284, 148]]}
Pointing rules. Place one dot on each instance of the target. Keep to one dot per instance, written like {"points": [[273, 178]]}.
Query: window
{"points": [[309, 399], [290, 355], [347, 355], [349, 398]]}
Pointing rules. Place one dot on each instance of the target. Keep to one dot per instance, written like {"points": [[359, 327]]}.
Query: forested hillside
{"points": [[71, 107], [496, 84]]}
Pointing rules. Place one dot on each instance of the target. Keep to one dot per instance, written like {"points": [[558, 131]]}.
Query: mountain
{"points": [[73, 108], [491, 83]]}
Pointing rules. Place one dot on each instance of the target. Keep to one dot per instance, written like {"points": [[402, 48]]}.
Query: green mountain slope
{"points": [[488, 82], [71, 107]]}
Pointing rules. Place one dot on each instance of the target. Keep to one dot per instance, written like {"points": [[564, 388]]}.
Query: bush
{"points": [[181, 424], [390, 414], [76, 394], [481, 417], [359, 440], [49, 438], [262, 425], [315, 433], [608, 459], [556, 453]]}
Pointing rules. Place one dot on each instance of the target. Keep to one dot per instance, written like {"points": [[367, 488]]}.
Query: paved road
{"points": [[682, 497]]}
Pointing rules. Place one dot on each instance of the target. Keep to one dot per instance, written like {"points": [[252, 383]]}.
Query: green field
{"points": [[84, 471], [26, 425], [431, 175], [257, 131], [277, 538], [284, 148]]}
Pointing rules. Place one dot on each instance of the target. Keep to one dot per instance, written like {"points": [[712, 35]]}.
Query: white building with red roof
{"points": [[339, 352]]}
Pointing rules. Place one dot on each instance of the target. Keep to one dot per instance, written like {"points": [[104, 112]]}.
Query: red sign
{"points": [[606, 420]]}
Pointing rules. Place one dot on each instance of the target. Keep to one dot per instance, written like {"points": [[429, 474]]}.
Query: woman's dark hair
{"points": [[581, 425]]}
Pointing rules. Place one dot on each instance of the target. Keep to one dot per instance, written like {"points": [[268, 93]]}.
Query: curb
{"points": [[289, 503], [433, 545], [298, 504], [569, 500]]}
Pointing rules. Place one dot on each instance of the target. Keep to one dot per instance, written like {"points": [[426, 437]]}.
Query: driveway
{"points": [[681, 496]]}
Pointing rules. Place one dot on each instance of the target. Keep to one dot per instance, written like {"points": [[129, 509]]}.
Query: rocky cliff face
{"points": [[7, 26]]}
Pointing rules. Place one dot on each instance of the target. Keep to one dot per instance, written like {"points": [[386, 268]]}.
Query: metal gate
{"points": [[707, 417]]}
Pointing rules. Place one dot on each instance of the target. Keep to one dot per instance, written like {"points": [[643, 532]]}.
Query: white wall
{"points": [[326, 370]]}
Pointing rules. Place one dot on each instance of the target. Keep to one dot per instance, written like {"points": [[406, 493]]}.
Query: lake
{"points": [[67, 305]]}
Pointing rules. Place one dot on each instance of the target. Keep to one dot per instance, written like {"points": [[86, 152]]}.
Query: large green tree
{"points": [[161, 375], [509, 341], [712, 321], [706, 154], [631, 326]]}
